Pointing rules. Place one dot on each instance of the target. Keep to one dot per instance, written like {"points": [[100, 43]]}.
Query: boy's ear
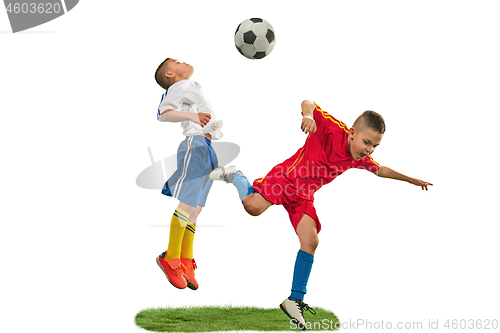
{"points": [[352, 130]]}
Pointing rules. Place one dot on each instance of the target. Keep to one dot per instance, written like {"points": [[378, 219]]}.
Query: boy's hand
{"points": [[203, 118], [308, 125], [420, 183]]}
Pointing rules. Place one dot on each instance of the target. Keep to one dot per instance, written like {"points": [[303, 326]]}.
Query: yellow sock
{"points": [[187, 242], [177, 227]]}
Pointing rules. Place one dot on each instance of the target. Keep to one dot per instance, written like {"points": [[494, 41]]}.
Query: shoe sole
{"points": [[191, 285], [294, 320], [158, 262]]}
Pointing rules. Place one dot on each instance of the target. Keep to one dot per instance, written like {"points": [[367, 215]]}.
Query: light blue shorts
{"points": [[195, 160]]}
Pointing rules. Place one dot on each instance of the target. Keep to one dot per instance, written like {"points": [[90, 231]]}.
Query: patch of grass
{"points": [[227, 318]]}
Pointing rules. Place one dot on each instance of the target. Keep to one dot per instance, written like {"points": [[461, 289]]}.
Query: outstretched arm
{"points": [[386, 172]]}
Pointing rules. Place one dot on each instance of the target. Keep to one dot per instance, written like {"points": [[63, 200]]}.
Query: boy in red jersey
{"points": [[331, 148]]}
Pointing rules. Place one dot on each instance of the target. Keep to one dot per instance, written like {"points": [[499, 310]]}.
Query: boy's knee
{"points": [[315, 242], [252, 209], [251, 206], [311, 242]]}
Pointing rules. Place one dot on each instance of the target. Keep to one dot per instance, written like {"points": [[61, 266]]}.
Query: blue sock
{"points": [[303, 265], [242, 185]]}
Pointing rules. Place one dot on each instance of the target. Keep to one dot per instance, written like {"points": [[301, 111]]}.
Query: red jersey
{"points": [[324, 156]]}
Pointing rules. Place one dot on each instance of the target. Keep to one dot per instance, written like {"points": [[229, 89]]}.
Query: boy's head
{"points": [[366, 134], [171, 71]]}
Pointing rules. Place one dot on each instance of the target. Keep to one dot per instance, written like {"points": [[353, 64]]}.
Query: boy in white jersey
{"points": [[184, 101]]}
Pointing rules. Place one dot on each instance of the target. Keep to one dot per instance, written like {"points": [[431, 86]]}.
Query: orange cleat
{"points": [[190, 265], [174, 270]]}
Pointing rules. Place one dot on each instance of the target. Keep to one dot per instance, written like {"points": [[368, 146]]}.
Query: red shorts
{"points": [[279, 191]]}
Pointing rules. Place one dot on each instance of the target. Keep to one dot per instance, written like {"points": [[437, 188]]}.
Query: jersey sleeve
{"points": [[178, 96], [326, 123], [369, 164], [319, 119], [170, 101]]}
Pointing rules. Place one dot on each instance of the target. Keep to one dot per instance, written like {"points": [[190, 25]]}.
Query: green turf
{"points": [[228, 318]]}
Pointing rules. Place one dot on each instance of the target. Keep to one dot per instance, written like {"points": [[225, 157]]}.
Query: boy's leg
{"points": [[232, 175], [195, 158], [187, 257], [188, 239], [254, 203], [308, 236], [169, 261], [180, 220], [307, 232]]}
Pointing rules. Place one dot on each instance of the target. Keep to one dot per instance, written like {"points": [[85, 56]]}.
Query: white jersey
{"points": [[188, 96]]}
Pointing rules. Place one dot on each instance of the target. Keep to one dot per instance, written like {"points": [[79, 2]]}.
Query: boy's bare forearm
{"points": [[386, 172], [176, 116]]}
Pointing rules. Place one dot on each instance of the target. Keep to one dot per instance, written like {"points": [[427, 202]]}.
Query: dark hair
{"points": [[160, 76], [372, 120]]}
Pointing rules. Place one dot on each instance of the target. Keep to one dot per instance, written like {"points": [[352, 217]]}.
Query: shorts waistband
{"points": [[200, 138]]}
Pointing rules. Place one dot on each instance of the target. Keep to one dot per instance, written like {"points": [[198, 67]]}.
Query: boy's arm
{"points": [[308, 124], [178, 116], [386, 172]]}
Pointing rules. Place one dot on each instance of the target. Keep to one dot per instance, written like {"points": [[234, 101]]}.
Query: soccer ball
{"points": [[254, 38]]}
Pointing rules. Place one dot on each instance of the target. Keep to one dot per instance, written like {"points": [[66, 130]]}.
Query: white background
{"points": [[78, 103]]}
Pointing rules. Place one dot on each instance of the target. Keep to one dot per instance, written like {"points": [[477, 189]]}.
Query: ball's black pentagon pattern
{"points": [[270, 35], [259, 55], [249, 37], [254, 38]]}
